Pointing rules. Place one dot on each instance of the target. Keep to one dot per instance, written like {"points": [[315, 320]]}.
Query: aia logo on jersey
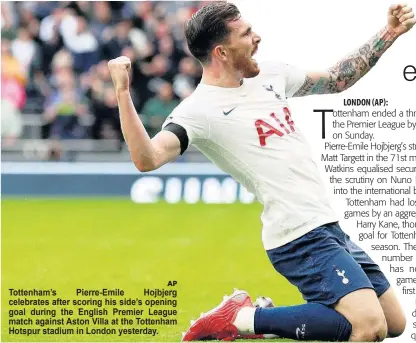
{"points": [[265, 130], [269, 88]]}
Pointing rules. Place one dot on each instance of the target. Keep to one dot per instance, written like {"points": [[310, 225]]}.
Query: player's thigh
{"points": [[319, 266], [370, 268], [393, 311], [363, 310]]}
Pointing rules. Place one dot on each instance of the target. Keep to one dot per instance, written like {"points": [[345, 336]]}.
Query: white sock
{"points": [[244, 322]]}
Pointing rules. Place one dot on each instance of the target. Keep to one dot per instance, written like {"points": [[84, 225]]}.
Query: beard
{"points": [[247, 66]]}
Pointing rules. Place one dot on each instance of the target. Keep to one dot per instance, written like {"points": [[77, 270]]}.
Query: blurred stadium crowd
{"points": [[54, 64]]}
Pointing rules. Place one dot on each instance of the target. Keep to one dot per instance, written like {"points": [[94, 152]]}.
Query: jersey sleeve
{"points": [[295, 78], [190, 128]]}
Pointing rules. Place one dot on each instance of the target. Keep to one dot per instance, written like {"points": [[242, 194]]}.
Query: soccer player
{"points": [[239, 118]]}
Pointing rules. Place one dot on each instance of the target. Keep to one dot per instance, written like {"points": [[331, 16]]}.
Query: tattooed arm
{"points": [[352, 68]]}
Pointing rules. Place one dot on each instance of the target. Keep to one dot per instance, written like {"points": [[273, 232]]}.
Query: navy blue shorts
{"points": [[326, 265]]}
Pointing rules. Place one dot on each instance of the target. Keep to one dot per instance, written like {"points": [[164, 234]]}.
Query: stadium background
{"points": [[76, 213]]}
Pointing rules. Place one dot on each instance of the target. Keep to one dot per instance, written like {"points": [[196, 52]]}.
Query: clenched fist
{"points": [[119, 70], [400, 18]]}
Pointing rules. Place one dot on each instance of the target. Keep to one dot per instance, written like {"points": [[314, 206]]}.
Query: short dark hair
{"points": [[208, 27]]}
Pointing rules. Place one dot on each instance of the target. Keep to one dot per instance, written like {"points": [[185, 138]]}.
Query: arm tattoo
{"points": [[350, 69], [319, 87], [308, 84]]}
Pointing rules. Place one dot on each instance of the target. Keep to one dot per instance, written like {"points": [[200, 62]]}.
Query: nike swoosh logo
{"points": [[227, 113]]}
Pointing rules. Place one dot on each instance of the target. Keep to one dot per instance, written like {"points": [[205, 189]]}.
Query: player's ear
{"points": [[220, 52]]}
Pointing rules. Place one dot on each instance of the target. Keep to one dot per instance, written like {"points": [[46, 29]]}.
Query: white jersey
{"points": [[248, 132]]}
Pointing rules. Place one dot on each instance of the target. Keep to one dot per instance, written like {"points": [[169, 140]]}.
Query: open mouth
{"points": [[253, 53]]}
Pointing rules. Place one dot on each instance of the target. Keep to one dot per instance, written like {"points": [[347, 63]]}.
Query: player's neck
{"points": [[221, 77]]}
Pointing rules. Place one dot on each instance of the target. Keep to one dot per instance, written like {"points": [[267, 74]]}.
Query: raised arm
{"points": [[353, 67], [147, 154]]}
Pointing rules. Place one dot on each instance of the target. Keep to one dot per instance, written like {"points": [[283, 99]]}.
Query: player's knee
{"points": [[372, 328], [398, 328]]}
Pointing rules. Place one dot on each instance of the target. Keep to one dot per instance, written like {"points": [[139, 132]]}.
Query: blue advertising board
{"points": [[175, 182]]}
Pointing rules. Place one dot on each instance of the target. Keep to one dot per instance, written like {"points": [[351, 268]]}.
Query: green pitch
{"points": [[115, 244]]}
